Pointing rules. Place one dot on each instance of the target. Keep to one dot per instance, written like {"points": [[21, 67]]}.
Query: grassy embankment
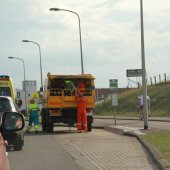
{"points": [[160, 102]]}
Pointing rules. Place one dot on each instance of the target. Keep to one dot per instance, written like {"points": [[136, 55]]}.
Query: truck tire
{"points": [[43, 118], [89, 127], [49, 127], [43, 126]]}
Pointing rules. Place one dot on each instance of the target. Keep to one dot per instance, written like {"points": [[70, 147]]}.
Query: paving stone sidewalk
{"points": [[104, 150]]}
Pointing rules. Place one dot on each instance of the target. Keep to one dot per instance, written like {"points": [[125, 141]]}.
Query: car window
{"points": [[5, 105], [13, 121]]}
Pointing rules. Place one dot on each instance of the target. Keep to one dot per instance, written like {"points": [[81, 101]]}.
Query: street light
{"points": [[145, 110], [41, 89], [24, 74], [81, 51]]}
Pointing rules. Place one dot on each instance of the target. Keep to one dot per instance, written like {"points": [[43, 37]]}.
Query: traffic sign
{"points": [[134, 73], [114, 99], [113, 83]]}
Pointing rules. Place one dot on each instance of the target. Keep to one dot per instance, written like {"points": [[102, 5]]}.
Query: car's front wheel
{"points": [[18, 144]]}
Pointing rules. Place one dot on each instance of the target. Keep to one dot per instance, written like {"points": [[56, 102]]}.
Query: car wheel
{"points": [[18, 144], [22, 142]]}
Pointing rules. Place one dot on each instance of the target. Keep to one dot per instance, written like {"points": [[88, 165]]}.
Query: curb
{"points": [[161, 119], [156, 157]]}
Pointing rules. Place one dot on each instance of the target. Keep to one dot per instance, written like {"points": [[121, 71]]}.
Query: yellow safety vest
{"points": [[33, 107]]}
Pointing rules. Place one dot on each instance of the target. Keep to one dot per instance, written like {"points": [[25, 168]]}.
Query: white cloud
{"points": [[110, 38]]}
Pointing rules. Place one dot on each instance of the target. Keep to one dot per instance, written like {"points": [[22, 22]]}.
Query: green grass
{"points": [[160, 105], [161, 141]]}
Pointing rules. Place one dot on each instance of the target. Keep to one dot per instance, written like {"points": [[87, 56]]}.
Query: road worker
{"points": [[81, 113], [69, 88], [33, 116]]}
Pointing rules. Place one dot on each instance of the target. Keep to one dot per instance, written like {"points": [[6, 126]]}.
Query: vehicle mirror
{"points": [[12, 121]]}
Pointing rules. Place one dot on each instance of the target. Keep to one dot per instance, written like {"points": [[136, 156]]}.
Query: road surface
{"points": [[66, 149]]}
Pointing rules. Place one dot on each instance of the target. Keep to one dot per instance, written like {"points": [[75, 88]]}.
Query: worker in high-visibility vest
{"points": [[33, 116], [81, 113], [69, 88]]}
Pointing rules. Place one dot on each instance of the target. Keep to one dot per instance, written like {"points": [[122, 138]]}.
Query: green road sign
{"points": [[113, 83]]}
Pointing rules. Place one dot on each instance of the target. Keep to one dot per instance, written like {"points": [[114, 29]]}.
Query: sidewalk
{"points": [[160, 162]]}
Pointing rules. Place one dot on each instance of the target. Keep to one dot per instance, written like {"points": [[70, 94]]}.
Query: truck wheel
{"points": [[49, 128], [89, 127], [43, 118], [43, 126]]}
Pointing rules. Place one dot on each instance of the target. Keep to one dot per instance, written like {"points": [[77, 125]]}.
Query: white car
{"points": [[14, 138]]}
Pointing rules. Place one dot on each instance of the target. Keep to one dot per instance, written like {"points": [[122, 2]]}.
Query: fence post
{"points": [[151, 80], [165, 77], [159, 78], [155, 79]]}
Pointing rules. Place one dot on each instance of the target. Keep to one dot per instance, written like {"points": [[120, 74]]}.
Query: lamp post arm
{"points": [[24, 72], [40, 61], [23, 65], [81, 50]]}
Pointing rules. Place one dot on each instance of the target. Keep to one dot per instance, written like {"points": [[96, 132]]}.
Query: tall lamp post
{"points": [[81, 51], [145, 110], [41, 89], [24, 75]]}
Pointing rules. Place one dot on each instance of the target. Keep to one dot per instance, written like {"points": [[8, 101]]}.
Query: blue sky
{"points": [[110, 38]]}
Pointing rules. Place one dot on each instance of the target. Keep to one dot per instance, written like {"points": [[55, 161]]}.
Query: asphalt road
{"points": [[67, 149], [41, 152]]}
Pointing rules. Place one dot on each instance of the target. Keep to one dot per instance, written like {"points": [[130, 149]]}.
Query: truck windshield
{"points": [[5, 91]]}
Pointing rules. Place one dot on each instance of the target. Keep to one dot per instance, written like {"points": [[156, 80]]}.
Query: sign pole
{"points": [[115, 117], [114, 86]]}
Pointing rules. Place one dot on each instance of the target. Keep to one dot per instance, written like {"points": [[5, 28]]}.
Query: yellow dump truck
{"points": [[59, 104]]}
